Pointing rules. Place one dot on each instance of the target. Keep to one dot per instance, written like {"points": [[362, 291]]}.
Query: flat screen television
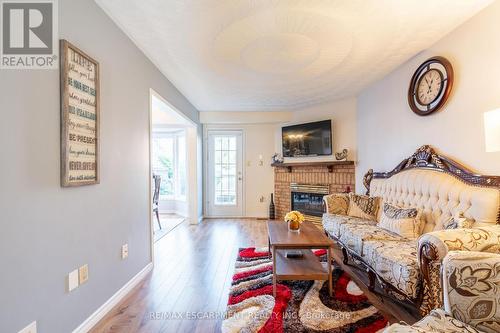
{"points": [[310, 139]]}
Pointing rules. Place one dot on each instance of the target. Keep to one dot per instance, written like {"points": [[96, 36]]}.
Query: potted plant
{"points": [[294, 220]]}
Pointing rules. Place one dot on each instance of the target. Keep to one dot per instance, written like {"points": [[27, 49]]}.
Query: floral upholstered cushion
{"points": [[354, 235], [333, 222], [437, 321], [471, 288], [458, 221], [363, 206], [402, 221], [396, 263], [337, 203], [483, 239]]}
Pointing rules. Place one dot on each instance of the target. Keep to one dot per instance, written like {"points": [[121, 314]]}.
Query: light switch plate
{"points": [[73, 280], [83, 274], [124, 251], [31, 328]]}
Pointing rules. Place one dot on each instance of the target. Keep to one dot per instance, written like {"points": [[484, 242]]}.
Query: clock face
{"points": [[430, 86]]}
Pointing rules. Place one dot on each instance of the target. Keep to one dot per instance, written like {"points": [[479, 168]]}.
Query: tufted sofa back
{"points": [[439, 196]]}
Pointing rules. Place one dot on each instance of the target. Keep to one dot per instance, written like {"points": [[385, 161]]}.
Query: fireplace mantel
{"points": [[329, 164]]}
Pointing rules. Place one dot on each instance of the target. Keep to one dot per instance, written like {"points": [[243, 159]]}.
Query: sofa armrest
{"points": [[336, 203], [471, 289], [433, 247]]}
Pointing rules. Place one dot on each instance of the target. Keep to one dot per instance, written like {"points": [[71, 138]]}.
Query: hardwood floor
{"points": [[193, 270], [168, 223], [187, 291]]}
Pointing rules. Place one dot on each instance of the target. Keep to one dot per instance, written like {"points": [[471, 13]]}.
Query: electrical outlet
{"points": [[73, 280], [83, 273], [124, 251], [262, 198], [31, 328]]}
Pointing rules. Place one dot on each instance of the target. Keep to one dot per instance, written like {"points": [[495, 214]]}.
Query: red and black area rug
{"points": [[299, 306]]}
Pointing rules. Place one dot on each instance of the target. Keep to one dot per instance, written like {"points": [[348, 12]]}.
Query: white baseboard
{"points": [[167, 211], [113, 301]]}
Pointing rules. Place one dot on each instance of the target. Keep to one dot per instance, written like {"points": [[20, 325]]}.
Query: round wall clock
{"points": [[430, 86]]}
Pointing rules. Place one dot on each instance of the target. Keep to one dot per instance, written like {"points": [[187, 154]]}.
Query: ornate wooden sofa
{"points": [[439, 188]]}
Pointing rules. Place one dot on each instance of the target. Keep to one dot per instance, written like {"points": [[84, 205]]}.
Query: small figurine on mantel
{"points": [[342, 156], [277, 158]]}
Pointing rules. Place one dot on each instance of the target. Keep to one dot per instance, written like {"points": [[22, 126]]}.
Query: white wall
{"points": [[172, 206], [195, 185], [47, 231], [389, 131]]}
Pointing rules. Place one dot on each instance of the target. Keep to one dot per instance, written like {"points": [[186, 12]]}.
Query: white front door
{"points": [[225, 173]]}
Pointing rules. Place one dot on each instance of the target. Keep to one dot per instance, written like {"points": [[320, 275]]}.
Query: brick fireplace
{"points": [[294, 177]]}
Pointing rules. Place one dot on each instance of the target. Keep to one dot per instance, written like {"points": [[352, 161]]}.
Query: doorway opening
{"points": [[174, 159]]}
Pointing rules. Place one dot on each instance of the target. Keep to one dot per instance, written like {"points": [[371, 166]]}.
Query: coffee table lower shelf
{"points": [[308, 267]]}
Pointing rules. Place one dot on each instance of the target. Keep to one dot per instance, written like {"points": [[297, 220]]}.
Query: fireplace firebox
{"points": [[308, 199]]}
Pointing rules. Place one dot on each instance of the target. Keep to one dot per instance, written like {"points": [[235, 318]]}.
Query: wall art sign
{"points": [[79, 117]]}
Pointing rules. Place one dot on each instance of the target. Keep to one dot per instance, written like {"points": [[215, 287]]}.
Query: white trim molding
{"points": [[104, 309]]}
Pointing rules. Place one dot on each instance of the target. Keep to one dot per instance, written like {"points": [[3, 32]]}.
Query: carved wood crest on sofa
{"points": [[440, 189]]}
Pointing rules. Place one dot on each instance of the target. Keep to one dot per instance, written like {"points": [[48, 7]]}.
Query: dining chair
{"points": [[156, 197]]}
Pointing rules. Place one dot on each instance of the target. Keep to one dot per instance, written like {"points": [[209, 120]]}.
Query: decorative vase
{"points": [[293, 226], [293, 219], [342, 156], [272, 215]]}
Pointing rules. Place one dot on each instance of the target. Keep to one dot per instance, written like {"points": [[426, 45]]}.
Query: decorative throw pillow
{"points": [[458, 221], [337, 203], [405, 222], [363, 206]]}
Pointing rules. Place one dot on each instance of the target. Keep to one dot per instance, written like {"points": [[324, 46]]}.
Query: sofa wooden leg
{"points": [[345, 256], [371, 280]]}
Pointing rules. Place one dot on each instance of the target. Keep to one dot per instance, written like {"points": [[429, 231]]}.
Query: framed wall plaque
{"points": [[79, 117]]}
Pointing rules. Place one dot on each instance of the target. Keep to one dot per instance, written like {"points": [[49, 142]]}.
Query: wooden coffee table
{"points": [[307, 267]]}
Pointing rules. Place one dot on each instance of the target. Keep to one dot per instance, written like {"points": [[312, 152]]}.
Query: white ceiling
{"points": [[255, 55]]}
